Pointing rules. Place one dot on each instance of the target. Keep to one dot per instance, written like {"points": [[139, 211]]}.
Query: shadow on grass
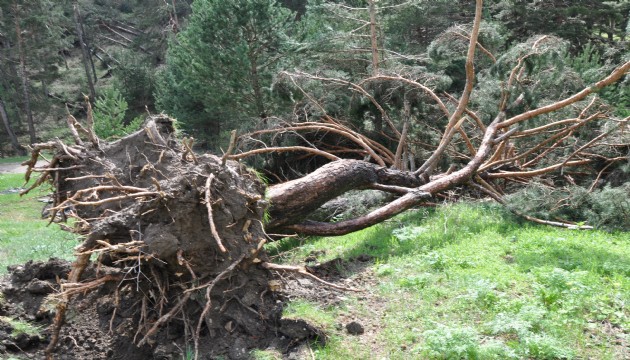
{"points": [[414, 232], [426, 230]]}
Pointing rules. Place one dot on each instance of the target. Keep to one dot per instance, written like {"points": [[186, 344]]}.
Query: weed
{"points": [[545, 347], [522, 323], [409, 232], [21, 327], [415, 281], [309, 311], [436, 261], [189, 354], [266, 355], [450, 343], [483, 293]]}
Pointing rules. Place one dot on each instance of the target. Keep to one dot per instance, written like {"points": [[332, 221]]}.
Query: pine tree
{"points": [[219, 68]]}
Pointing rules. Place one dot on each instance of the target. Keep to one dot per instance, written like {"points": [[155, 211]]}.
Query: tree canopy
{"points": [[222, 63]]}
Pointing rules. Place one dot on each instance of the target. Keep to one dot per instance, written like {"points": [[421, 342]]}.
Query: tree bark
{"points": [[294, 200], [176, 25], [24, 75], [7, 126], [9, 77], [413, 198], [84, 51], [90, 58]]}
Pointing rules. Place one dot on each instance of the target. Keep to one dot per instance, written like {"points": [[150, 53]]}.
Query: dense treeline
{"points": [[248, 65], [221, 69]]}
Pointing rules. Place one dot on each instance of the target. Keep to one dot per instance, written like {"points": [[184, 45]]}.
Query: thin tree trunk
{"points": [[7, 126], [84, 51], [44, 85], [260, 106], [24, 75], [12, 81], [89, 51], [373, 38], [176, 27]]}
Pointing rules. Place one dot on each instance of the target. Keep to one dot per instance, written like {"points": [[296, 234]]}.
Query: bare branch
{"points": [[451, 128], [213, 228], [280, 149]]}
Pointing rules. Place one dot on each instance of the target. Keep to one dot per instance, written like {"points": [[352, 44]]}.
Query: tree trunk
{"points": [[85, 52], [412, 197], [176, 25], [258, 98], [10, 80], [373, 38], [89, 52], [7, 126], [25, 81], [293, 201]]}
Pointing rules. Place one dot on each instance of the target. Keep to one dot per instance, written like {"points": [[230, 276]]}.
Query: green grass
{"points": [[471, 282], [16, 159], [24, 235]]}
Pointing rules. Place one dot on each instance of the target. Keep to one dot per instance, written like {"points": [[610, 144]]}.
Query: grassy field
{"points": [[465, 281], [24, 235], [471, 282]]}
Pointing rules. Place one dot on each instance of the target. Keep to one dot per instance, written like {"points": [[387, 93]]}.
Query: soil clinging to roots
{"points": [[171, 262]]}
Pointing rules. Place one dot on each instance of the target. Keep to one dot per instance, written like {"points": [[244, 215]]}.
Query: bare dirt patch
{"points": [[17, 168], [103, 324], [356, 273]]}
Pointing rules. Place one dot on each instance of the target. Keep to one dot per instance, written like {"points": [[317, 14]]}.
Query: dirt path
{"points": [[16, 168]]}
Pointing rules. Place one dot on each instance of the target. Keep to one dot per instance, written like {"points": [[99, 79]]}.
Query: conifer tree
{"points": [[219, 68]]}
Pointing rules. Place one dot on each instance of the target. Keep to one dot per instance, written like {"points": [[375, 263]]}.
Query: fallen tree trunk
{"points": [[292, 201]]}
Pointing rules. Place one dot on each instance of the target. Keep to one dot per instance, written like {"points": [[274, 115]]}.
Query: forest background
{"points": [[251, 65]]}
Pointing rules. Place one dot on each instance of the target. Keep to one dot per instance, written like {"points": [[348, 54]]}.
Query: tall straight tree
{"points": [[84, 51], [31, 33], [9, 130], [24, 72], [220, 67]]}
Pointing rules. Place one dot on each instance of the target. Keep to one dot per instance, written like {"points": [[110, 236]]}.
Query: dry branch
{"points": [[454, 120], [280, 149]]}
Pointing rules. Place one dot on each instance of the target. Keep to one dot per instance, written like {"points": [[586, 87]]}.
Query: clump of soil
{"points": [[171, 259]]}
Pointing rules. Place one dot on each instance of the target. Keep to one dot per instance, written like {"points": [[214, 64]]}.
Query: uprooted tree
{"points": [[179, 236]]}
